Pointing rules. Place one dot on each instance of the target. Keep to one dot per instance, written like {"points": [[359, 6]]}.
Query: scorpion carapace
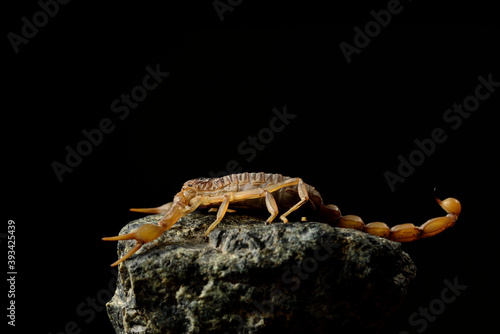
{"points": [[273, 192]]}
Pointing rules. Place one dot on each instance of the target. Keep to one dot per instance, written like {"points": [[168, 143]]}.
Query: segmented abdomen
{"points": [[285, 197], [246, 181]]}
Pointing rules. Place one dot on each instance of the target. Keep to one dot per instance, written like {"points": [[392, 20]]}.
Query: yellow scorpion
{"points": [[275, 192]]}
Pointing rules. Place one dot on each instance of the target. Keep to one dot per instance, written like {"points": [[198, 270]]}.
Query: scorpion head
{"points": [[172, 212], [190, 190]]}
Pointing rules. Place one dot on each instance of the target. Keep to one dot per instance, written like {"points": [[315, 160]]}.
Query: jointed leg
{"points": [[304, 197], [272, 207], [220, 214]]}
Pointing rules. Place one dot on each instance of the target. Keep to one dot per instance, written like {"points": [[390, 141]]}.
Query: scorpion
{"points": [[274, 192]]}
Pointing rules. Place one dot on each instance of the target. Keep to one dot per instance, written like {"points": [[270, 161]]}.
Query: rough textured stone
{"points": [[249, 277]]}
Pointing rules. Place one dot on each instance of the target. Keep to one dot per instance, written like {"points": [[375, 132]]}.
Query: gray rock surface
{"points": [[249, 277]]}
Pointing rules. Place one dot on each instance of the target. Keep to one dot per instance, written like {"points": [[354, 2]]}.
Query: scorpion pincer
{"points": [[275, 192]]}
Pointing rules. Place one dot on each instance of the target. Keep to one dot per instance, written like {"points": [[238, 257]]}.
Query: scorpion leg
{"points": [[220, 214], [272, 207], [303, 194]]}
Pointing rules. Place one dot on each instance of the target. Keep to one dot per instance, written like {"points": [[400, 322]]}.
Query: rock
{"points": [[249, 277]]}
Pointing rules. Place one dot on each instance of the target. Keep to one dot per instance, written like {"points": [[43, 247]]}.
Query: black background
{"points": [[352, 122]]}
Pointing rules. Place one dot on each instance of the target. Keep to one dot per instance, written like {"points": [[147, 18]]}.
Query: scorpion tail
{"points": [[329, 213], [451, 205], [159, 210]]}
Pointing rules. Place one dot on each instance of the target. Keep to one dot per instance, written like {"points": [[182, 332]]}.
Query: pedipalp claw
{"points": [[128, 236], [159, 210], [137, 246], [144, 234]]}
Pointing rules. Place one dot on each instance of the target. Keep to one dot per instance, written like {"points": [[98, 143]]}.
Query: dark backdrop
{"points": [[349, 119]]}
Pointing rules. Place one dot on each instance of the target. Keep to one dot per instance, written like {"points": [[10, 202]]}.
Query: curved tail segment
{"points": [[408, 232], [437, 225]]}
